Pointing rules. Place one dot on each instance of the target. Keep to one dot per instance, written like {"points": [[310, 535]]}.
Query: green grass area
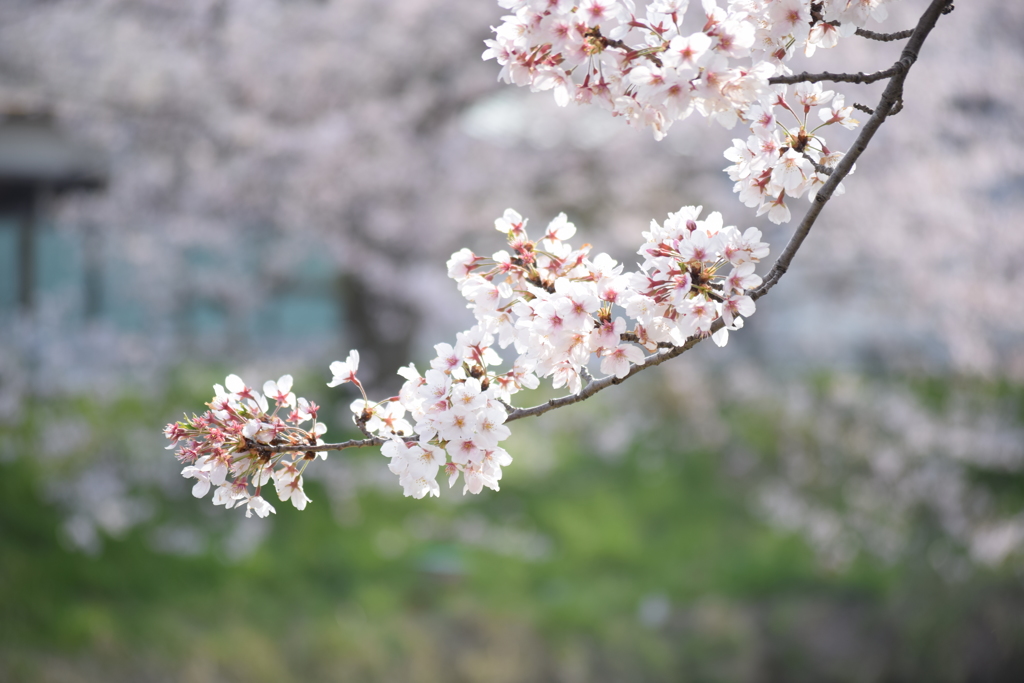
{"points": [[649, 565]]}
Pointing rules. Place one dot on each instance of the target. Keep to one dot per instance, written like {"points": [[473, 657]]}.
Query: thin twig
{"points": [[631, 337], [859, 77], [824, 170], [884, 37], [292, 448]]}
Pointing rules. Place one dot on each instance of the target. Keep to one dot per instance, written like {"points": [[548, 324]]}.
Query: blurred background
{"points": [[192, 188]]}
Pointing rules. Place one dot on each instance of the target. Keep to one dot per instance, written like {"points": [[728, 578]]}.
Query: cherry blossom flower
{"points": [[258, 505], [618, 361], [280, 391], [291, 490], [345, 372]]}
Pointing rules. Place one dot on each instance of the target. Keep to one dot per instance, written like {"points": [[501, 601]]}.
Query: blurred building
{"points": [[77, 270], [39, 162]]}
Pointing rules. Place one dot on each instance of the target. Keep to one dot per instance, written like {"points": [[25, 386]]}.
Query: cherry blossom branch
{"points": [[556, 302], [890, 99]]}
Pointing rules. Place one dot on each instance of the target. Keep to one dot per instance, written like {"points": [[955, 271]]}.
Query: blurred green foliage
{"points": [[647, 565]]}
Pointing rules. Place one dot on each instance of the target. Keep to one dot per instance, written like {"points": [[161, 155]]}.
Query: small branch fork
{"points": [[890, 101]]}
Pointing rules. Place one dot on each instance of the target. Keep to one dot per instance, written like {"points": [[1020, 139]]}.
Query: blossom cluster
{"points": [[652, 70], [555, 305], [787, 158], [226, 447], [558, 307], [649, 68]]}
